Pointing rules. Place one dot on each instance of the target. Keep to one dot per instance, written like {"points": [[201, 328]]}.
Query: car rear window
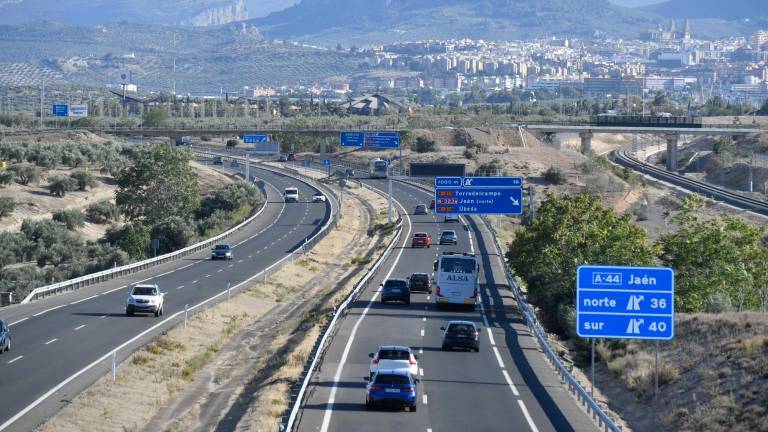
{"points": [[419, 277], [395, 284], [461, 328], [420, 235], [143, 291], [390, 354], [392, 379]]}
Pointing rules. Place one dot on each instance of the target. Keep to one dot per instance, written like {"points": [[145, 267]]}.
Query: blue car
{"points": [[395, 388], [5, 337]]}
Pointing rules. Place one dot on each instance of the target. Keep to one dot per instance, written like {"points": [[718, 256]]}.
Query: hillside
{"points": [[360, 22], [732, 10]]}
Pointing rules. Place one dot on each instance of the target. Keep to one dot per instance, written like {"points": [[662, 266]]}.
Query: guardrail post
{"points": [[114, 366], [229, 292], [186, 313]]}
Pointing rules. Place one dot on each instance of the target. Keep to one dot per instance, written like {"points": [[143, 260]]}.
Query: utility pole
{"points": [[42, 93]]}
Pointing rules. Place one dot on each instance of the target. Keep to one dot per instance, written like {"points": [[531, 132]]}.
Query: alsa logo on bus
{"points": [[457, 278]]}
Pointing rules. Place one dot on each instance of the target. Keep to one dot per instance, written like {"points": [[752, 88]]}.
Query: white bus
{"points": [[377, 168], [456, 279]]}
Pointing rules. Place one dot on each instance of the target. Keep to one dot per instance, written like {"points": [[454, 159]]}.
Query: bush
{"points": [[491, 169], [6, 177], [101, 212], [72, 219], [468, 154], [133, 239], [84, 180], [555, 175], [425, 145], [25, 173], [7, 206], [230, 198], [205, 138], [232, 143], [14, 248], [59, 186], [174, 233]]}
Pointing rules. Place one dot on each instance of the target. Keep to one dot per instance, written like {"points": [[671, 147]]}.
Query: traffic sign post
{"points": [[616, 302], [370, 139]]}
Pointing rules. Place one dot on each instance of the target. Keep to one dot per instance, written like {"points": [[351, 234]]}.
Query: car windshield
{"points": [[318, 194], [461, 328], [392, 379], [394, 354], [457, 265], [395, 284], [222, 247], [144, 291]]}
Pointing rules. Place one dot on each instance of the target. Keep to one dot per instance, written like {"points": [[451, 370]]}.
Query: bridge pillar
{"points": [[672, 152], [586, 142]]}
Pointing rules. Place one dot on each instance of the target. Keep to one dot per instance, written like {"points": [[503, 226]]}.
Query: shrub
{"points": [[59, 186], [14, 248], [6, 177], [72, 219], [232, 143], [25, 173], [101, 212], [229, 199], [425, 145], [555, 175], [492, 168], [205, 138], [84, 180], [468, 154], [7, 206], [133, 239], [173, 233]]}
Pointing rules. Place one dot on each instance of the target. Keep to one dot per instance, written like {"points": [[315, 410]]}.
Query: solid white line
{"points": [[424, 398], [340, 368], [48, 310], [14, 323], [527, 416], [498, 357], [51, 341], [79, 327], [115, 289], [17, 358], [422, 332], [490, 337], [510, 383], [80, 301]]}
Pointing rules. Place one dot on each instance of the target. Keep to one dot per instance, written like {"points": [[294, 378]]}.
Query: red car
{"points": [[421, 239], [432, 205]]}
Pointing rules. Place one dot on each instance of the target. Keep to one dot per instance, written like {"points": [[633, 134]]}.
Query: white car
{"points": [[318, 197], [451, 218], [145, 298], [394, 357]]}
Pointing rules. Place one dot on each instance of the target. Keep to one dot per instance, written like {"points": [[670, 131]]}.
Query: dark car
{"points": [[461, 334], [391, 387], [395, 290], [349, 172], [217, 160], [282, 158], [449, 237], [432, 205], [5, 337], [291, 157], [221, 251], [420, 282]]}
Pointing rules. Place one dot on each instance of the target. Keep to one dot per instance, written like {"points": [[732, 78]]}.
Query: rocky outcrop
{"points": [[221, 15]]}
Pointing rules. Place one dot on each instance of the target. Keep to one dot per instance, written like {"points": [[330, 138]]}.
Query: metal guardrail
{"points": [[708, 190]]}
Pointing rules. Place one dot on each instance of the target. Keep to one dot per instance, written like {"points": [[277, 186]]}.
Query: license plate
{"points": [[392, 390]]}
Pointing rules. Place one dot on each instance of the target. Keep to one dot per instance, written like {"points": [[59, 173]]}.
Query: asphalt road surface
{"points": [[55, 338], [507, 386]]}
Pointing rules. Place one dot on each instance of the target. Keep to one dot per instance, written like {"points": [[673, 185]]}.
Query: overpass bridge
{"points": [[585, 130]]}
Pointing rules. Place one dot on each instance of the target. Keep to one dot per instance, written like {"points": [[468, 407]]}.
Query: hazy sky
{"points": [[634, 3]]}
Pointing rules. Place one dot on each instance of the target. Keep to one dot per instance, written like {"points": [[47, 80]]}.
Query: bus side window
{"points": [[434, 266]]}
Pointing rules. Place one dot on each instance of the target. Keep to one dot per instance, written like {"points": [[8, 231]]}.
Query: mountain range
{"points": [[718, 9]]}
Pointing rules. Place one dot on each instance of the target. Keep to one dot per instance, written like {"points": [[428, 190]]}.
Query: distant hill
{"points": [[366, 21], [726, 10], [167, 12]]}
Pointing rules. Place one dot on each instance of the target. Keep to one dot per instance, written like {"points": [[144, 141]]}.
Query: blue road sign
{"points": [[479, 201], [254, 138], [326, 162], [448, 181], [493, 182], [370, 139], [60, 110], [625, 302]]}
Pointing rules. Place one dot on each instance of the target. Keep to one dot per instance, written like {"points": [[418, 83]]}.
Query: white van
{"points": [[291, 194]]}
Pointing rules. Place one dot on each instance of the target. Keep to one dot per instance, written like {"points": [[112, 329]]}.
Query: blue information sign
{"points": [[625, 302], [254, 138], [448, 181], [60, 110], [493, 182], [370, 139], [479, 201], [326, 162]]}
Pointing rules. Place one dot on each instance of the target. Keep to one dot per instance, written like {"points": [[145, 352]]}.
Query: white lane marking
{"points": [[186, 266], [79, 327], [180, 287], [510, 383], [424, 319], [250, 256], [194, 281], [51, 341], [80, 301], [17, 358], [16, 322], [219, 270], [48, 310], [104, 316], [230, 266], [421, 350], [207, 275], [490, 337], [421, 371], [115, 289], [239, 261], [429, 429], [424, 398], [527, 415], [427, 297], [422, 332], [340, 368]]}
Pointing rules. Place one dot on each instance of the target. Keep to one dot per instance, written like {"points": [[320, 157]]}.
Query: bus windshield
{"points": [[457, 265], [380, 165]]}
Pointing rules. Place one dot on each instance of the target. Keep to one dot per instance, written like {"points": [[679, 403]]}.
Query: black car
{"points": [[221, 251], [420, 282], [449, 237], [5, 337], [461, 334], [395, 290]]}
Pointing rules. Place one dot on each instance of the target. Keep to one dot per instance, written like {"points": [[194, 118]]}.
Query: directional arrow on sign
{"points": [[514, 201]]}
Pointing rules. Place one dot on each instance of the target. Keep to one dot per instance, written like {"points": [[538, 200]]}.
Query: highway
{"points": [[54, 339], [508, 385]]}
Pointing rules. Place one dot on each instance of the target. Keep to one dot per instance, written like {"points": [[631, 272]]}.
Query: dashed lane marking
{"points": [[16, 359], [14, 323], [180, 287], [48, 310], [424, 399], [510, 383], [87, 298], [79, 327], [527, 415], [51, 341]]}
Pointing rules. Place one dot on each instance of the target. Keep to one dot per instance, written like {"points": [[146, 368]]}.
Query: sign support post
{"points": [[592, 391], [656, 381], [389, 202]]}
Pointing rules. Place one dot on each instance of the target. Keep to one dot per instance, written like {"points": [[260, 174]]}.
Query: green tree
{"points": [[84, 180], [159, 185], [232, 142], [7, 206], [59, 186], [132, 238], [763, 109], [715, 257], [155, 117], [6, 177], [72, 219], [569, 231], [555, 175], [101, 212], [25, 173], [174, 233], [425, 145]]}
